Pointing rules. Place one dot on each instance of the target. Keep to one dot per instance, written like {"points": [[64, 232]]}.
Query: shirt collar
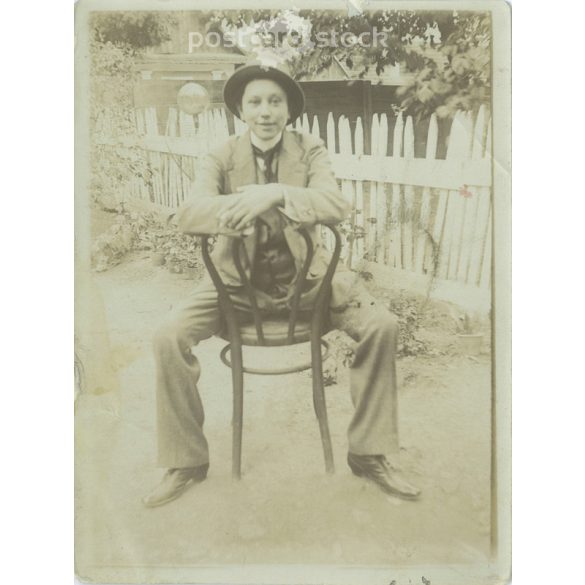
{"points": [[264, 145]]}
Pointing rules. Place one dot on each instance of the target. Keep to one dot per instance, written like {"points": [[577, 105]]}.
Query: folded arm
{"points": [[233, 214], [201, 214]]}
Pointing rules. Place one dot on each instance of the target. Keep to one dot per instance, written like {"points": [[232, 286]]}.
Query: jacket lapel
{"points": [[292, 169], [242, 171]]}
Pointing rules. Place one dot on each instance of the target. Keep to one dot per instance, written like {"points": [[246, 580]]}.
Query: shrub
{"points": [[145, 231]]}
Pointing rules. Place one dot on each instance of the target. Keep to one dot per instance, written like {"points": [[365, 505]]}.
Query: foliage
{"points": [[110, 247], [111, 112], [180, 252], [146, 231], [112, 80], [447, 52], [116, 40], [113, 166], [409, 312], [136, 29], [455, 76], [341, 354]]}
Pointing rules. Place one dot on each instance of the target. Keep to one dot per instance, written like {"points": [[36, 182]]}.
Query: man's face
{"points": [[264, 108]]}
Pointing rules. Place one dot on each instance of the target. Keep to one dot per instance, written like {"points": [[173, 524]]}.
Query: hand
{"points": [[251, 201]]}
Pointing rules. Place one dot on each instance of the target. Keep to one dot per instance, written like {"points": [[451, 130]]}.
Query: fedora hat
{"points": [[234, 87]]}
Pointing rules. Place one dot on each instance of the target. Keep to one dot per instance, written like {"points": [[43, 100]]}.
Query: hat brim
{"points": [[235, 85]]}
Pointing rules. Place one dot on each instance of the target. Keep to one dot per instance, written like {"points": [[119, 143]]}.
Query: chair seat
{"points": [[275, 332]]}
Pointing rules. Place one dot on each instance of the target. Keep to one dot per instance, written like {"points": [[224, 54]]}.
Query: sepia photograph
{"points": [[292, 304]]}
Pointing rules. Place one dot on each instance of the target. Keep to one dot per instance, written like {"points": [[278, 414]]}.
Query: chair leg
{"points": [[238, 408], [319, 400]]}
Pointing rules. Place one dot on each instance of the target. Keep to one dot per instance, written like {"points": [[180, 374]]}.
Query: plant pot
{"points": [[157, 258], [470, 343]]}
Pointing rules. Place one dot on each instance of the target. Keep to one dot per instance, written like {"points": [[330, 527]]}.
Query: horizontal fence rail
{"points": [[416, 217]]}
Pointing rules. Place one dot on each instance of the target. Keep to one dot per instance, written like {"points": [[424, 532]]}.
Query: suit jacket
{"points": [[309, 188]]}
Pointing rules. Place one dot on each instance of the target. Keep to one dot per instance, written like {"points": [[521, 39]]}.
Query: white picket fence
{"points": [[421, 222]]}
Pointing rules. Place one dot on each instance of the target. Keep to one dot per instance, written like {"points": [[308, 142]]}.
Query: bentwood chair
{"points": [[266, 330]]}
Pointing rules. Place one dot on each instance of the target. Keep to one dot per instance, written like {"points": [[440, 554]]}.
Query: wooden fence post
{"points": [[371, 197], [471, 196], [448, 240], [305, 124], [358, 206], [486, 266], [315, 131], [239, 126], [382, 239], [395, 236], [331, 134], [345, 148], [155, 157], [408, 208], [423, 261]]}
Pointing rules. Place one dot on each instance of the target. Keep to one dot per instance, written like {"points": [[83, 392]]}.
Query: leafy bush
{"points": [[146, 231], [180, 251], [109, 248], [117, 40], [409, 313]]}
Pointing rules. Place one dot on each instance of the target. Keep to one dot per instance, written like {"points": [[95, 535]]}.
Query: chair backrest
{"points": [[320, 308]]}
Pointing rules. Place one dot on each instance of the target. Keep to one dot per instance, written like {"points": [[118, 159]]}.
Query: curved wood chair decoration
{"points": [[275, 332]]}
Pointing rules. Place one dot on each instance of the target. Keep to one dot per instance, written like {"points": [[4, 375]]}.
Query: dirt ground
{"points": [[285, 509]]}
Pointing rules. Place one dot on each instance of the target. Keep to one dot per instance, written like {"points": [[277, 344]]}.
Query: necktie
{"points": [[274, 266], [267, 158], [269, 222]]}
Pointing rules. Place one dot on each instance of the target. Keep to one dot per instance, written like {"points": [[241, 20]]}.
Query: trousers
{"points": [[373, 429]]}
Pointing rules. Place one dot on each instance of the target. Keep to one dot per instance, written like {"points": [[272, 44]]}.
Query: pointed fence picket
{"points": [[381, 223], [358, 217], [347, 188], [395, 230], [424, 249], [428, 218], [408, 201], [371, 197], [425, 217]]}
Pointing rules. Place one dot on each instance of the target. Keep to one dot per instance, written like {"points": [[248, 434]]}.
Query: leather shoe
{"points": [[174, 483], [378, 469]]}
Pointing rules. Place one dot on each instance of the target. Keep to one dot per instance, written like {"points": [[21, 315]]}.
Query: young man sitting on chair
{"points": [[265, 184]]}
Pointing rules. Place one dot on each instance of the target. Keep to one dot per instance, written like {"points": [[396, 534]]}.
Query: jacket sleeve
{"points": [[200, 212], [321, 201]]}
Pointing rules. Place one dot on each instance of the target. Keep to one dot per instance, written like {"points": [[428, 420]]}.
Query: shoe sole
{"points": [[360, 473]]}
